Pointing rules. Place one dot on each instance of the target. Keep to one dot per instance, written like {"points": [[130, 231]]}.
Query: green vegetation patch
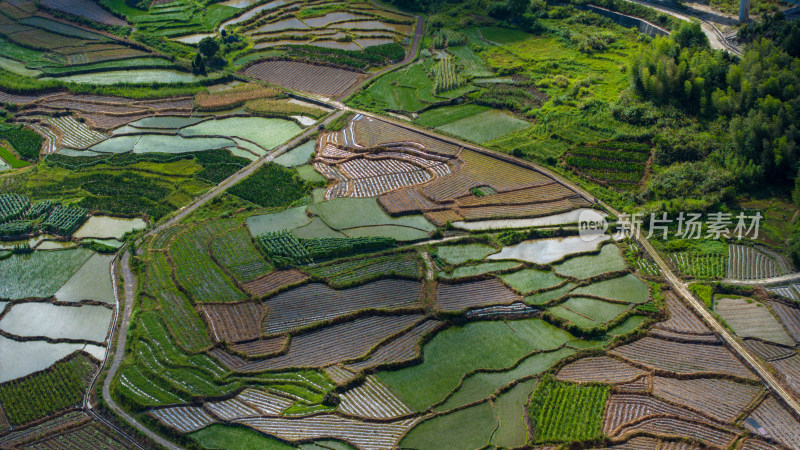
{"points": [[12, 159], [446, 114], [587, 312], [459, 254], [627, 288], [566, 412], [467, 428], [40, 394], [503, 35], [25, 141], [39, 274], [609, 260], [346, 213], [527, 281], [486, 126], [481, 385], [478, 269], [459, 350], [230, 436], [271, 186]]}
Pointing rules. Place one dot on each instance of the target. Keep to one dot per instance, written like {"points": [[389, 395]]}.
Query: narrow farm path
{"points": [[129, 280], [788, 278]]}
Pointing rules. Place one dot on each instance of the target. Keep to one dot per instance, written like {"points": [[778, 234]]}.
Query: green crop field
{"points": [[459, 350], [410, 272], [567, 412], [484, 127]]}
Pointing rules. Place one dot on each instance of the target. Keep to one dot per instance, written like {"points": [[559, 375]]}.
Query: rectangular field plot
{"points": [[683, 358], [348, 273], [750, 318], [789, 316], [373, 400], [460, 254], [600, 369], [566, 412], [274, 281], [305, 305], [672, 426], [467, 428], [747, 263]]}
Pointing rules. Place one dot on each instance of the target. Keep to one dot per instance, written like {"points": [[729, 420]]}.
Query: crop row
{"points": [[235, 96], [748, 263], [38, 395], [271, 186], [724, 400], [681, 318], [237, 322], [456, 297], [12, 206], [647, 267], [601, 369], [16, 228], [449, 38], [567, 412], [683, 358], [446, 75], [235, 251], [194, 268], [358, 271], [75, 134], [64, 220], [404, 348], [700, 265]]}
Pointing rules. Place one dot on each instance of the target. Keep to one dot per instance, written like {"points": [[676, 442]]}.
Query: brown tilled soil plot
{"points": [[329, 81]]}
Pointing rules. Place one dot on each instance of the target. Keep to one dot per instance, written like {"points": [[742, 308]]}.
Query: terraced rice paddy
{"points": [[459, 350], [298, 155], [79, 323], [546, 251], [91, 282], [131, 76], [460, 254], [587, 312], [608, 260], [462, 296], [23, 358], [627, 288], [106, 227]]}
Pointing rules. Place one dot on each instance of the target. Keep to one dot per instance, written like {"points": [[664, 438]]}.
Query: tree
{"points": [[517, 8], [208, 47], [690, 34], [199, 65]]}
